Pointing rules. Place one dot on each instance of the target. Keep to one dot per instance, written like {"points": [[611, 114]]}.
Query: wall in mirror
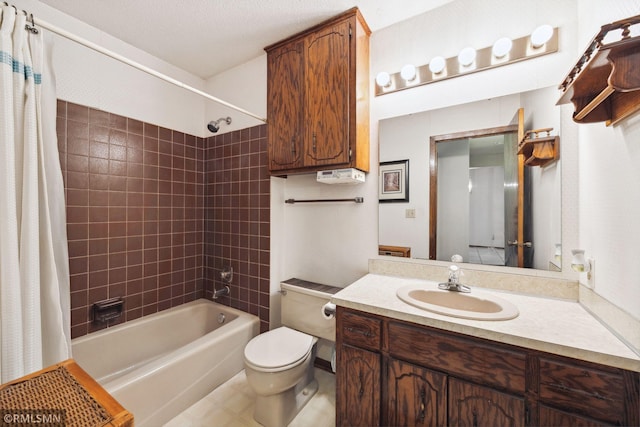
{"points": [[474, 210]]}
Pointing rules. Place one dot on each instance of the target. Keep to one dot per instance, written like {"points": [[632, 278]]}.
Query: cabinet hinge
{"points": [[350, 154], [349, 30]]}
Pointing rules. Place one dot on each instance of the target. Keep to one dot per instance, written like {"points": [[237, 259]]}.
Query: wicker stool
{"points": [[61, 395]]}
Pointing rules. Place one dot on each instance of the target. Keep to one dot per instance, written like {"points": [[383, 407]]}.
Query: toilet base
{"points": [[278, 410]]}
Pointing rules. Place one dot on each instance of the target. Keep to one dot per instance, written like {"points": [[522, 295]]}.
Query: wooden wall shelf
{"points": [[539, 150], [604, 85], [398, 251]]}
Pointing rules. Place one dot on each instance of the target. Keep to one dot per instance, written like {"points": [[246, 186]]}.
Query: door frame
{"points": [[433, 174]]}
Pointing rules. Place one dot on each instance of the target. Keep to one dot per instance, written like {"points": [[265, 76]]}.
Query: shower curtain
{"points": [[34, 271]]}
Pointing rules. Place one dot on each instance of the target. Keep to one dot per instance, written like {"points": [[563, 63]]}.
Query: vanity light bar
{"points": [[521, 49]]}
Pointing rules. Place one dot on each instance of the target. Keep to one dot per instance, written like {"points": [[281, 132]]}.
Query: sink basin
{"points": [[476, 305]]}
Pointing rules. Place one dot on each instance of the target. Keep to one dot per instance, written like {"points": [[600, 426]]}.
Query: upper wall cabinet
{"points": [[604, 85], [318, 98]]}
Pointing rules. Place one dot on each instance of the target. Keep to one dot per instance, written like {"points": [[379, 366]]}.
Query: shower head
{"points": [[214, 125]]}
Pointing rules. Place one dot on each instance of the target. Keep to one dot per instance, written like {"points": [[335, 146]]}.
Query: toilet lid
{"points": [[279, 347]]}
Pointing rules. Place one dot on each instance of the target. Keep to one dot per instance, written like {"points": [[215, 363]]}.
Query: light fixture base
{"points": [[485, 59]]}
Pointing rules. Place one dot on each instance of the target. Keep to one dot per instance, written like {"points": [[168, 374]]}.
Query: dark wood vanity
{"points": [[396, 373]]}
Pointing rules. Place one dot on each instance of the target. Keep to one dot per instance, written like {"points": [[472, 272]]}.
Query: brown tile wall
{"points": [[153, 215], [135, 213], [237, 226]]}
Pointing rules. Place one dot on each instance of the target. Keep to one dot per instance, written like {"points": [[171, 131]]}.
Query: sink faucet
{"points": [[453, 284]]}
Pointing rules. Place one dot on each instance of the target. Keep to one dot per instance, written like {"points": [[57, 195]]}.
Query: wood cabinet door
{"points": [[554, 417], [474, 405], [285, 105], [327, 96], [416, 396], [357, 387]]}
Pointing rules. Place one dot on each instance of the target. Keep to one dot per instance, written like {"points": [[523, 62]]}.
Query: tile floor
{"points": [[485, 255], [231, 405]]}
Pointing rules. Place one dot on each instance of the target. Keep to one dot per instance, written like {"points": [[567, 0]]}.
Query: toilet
{"points": [[279, 363]]}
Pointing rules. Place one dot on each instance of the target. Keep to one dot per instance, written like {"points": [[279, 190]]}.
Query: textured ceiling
{"points": [[206, 37]]}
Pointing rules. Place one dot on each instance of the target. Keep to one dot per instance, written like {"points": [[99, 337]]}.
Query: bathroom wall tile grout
{"points": [[140, 201]]}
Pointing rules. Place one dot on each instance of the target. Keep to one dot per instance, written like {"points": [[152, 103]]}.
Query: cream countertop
{"points": [[551, 325]]}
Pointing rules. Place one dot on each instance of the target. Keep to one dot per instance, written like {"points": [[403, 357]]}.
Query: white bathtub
{"points": [[158, 365]]}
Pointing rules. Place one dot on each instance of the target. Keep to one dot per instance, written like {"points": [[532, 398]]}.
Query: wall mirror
{"points": [[464, 185]]}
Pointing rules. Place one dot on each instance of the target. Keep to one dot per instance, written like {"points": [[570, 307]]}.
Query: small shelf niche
{"points": [[604, 85]]}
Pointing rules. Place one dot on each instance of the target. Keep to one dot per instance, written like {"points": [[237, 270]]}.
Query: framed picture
{"points": [[394, 182]]}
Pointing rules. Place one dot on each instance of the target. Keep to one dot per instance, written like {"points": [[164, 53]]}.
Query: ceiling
{"points": [[206, 37]]}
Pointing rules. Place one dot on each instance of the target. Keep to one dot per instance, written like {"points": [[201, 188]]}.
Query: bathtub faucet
{"points": [[226, 275], [217, 293]]}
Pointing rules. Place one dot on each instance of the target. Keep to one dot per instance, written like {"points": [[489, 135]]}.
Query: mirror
{"points": [[468, 208]]}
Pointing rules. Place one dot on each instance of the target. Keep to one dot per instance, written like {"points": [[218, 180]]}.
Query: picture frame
{"points": [[393, 186]]}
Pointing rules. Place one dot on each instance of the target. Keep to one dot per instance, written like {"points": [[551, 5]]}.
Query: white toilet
{"points": [[279, 363]]}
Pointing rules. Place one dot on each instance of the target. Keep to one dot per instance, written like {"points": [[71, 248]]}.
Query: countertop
{"points": [[552, 325]]}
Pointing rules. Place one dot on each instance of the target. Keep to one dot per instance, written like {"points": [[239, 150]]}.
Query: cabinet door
{"points": [[327, 97], [417, 396], [357, 387], [473, 405], [554, 417], [285, 94]]}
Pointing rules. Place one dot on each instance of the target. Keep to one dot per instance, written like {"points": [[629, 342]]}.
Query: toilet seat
{"points": [[277, 350]]}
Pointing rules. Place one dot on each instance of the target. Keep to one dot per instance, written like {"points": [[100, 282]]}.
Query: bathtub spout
{"points": [[217, 293]]}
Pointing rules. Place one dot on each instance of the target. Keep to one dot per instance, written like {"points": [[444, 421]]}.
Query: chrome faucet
{"points": [[453, 284], [226, 275]]}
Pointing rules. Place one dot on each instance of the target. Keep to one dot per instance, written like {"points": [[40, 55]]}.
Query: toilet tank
{"points": [[302, 304]]}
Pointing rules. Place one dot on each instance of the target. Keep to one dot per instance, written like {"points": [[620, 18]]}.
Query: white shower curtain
{"points": [[34, 271]]}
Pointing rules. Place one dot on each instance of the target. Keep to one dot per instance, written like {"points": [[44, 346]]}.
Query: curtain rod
{"points": [[98, 48]]}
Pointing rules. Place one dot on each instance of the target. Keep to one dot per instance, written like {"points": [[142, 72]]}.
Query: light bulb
{"points": [[408, 72], [541, 35], [502, 47], [467, 56], [437, 64], [383, 79]]}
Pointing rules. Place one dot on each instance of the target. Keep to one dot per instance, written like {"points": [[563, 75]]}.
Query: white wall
{"points": [[89, 78], [486, 206], [232, 86], [332, 243], [547, 230], [609, 201], [453, 204]]}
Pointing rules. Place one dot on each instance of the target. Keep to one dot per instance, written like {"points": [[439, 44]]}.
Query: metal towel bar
{"points": [[355, 200]]}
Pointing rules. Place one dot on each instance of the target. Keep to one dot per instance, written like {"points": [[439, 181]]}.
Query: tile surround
{"points": [[237, 219], [140, 215]]}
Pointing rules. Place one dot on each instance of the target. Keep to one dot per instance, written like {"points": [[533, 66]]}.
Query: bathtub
{"points": [[158, 365]]}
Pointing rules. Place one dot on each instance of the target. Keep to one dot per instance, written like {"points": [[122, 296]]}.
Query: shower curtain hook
{"points": [[32, 28]]}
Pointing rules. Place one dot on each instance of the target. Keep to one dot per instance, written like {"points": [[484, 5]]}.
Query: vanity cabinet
{"points": [[416, 396], [318, 98], [431, 377], [358, 402], [475, 405]]}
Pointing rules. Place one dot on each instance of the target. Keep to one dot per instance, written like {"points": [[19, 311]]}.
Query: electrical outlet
{"points": [[591, 275], [410, 213]]}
